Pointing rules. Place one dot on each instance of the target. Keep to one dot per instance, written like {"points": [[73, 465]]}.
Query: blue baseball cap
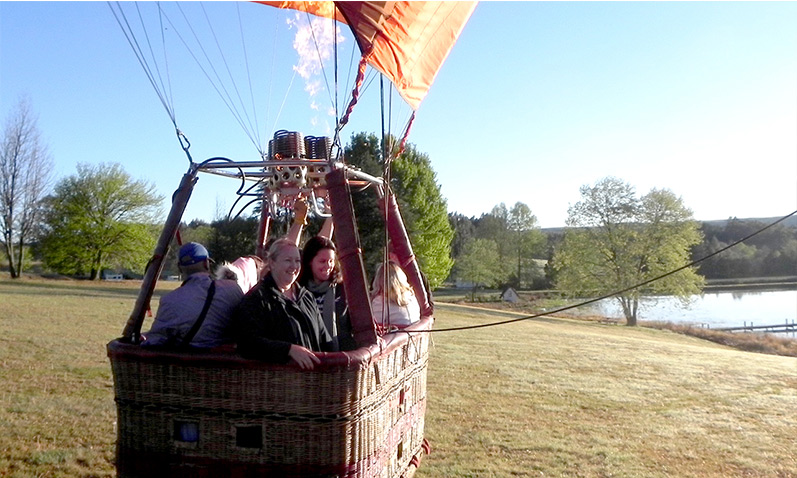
{"points": [[192, 253]]}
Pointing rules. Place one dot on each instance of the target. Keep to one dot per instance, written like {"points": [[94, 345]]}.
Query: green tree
{"points": [[479, 264], [495, 226], [782, 261], [518, 238], [232, 238], [422, 207], [195, 231], [620, 240], [426, 215], [98, 218], [363, 151], [526, 241], [464, 228], [765, 254]]}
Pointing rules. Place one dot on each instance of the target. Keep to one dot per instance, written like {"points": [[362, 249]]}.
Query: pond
{"points": [[714, 309]]}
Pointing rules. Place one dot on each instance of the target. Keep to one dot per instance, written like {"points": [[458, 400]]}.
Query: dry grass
{"points": [[57, 412], [549, 397], [558, 397], [748, 341]]}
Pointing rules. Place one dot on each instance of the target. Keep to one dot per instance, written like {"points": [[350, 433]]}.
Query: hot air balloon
{"points": [[358, 413]]}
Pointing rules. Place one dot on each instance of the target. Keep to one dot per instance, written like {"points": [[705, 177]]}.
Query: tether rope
{"points": [[591, 301], [355, 94]]}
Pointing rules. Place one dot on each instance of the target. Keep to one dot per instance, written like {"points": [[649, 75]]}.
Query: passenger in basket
{"points": [[246, 271], [278, 320], [198, 313], [401, 307], [321, 276]]}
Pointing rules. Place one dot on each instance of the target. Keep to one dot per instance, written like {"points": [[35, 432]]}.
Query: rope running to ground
{"points": [[587, 302]]}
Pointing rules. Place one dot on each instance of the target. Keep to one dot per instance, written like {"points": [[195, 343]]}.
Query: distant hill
{"points": [[790, 222]]}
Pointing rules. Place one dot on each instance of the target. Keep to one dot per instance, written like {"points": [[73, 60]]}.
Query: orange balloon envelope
{"points": [[405, 41]]}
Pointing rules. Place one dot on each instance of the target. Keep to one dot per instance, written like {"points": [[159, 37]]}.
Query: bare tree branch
{"points": [[25, 178]]}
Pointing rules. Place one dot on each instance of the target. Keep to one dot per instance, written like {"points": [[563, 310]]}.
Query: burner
{"points": [[285, 145]]}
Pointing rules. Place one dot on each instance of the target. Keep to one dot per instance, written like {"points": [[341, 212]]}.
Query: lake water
{"points": [[720, 309]]}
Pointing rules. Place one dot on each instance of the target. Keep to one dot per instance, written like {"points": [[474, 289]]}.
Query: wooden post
{"points": [[132, 329]]}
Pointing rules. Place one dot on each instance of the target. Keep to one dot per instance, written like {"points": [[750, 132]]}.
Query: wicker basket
{"points": [[358, 414]]}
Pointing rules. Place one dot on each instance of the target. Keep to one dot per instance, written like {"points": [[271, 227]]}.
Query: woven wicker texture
{"points": [[363, 418]]}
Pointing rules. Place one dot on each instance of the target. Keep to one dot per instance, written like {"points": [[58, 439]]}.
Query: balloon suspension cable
{"points": [[403, 142], [355, 94], [335, 63], [390, 112], [320, 56], [155, 78], [385, 312], [336, 138]]}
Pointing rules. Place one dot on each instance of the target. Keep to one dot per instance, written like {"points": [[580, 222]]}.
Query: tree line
{"points": [[772, 253], [499, 248], [483, 254]]}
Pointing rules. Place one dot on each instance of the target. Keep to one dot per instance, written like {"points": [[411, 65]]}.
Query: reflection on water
{"points": [[717, 309]]}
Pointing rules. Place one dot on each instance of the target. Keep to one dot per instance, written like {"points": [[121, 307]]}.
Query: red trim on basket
{"points": [[426, 446], [373, 465]]}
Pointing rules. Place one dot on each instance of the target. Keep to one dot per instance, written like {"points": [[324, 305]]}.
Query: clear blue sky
{"points": [[535, 100]]}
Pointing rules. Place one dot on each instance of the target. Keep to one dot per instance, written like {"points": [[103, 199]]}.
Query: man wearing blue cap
{"points": [[196, 314]]}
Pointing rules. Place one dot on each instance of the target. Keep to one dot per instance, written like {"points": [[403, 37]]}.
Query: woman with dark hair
{"points": [[321, 276]]}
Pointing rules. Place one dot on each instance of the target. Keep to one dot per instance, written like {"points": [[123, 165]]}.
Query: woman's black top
{"points": [[266, 323]]}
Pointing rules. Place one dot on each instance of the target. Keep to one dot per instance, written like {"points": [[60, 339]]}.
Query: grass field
{"points": [[549, 397]]}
